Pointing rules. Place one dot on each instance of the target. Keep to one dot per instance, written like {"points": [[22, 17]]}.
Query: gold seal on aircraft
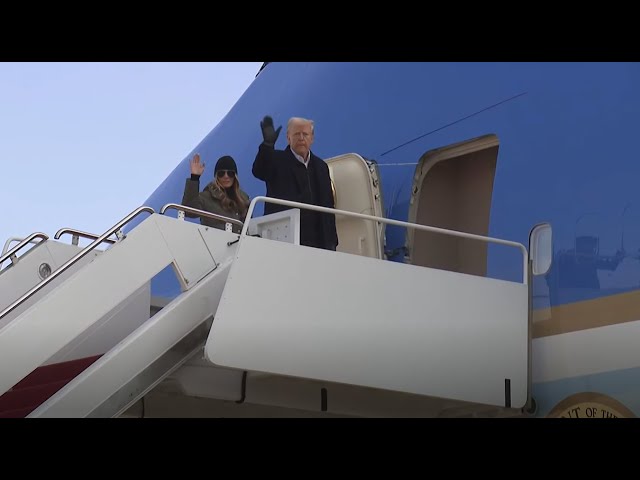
{"points": [[590, 405]]}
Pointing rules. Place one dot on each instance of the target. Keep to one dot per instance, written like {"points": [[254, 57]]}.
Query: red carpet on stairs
{"points": [[39, 385]]}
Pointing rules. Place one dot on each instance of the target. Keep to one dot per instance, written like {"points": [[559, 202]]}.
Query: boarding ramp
{"points": [[198, 255], [359, 321]]}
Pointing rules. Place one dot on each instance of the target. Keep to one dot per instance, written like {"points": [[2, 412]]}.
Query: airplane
{"points": [[488, 265]]}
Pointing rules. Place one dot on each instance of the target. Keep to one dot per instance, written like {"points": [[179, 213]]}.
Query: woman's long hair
{"points": [[233, 202]]}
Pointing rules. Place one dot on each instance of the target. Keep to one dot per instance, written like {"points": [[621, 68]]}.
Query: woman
{"points": [[223, 196]]}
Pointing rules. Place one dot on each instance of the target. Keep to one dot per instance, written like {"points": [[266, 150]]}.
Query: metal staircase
{"points": [[93, 295], [296, 320]]}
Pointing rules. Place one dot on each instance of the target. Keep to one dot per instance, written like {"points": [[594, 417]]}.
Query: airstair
{"points": [[83, 302], [281, 316]]}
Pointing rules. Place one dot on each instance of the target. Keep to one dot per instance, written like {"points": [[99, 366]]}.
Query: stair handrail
{"points": [[399, 223], [202, 213], [74, 259], [11, 240], [76, 234], [11, 253]]}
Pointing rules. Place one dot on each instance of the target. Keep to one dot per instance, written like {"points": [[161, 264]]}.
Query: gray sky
{"points": [[83, 144]]}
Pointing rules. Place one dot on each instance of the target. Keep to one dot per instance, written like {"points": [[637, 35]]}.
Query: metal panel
{"points": [[282, 226], [114, 382], [83, 299], [109, 330], [220, 243], [349, 319], [192, 258], [25, 274], [198, 378]]}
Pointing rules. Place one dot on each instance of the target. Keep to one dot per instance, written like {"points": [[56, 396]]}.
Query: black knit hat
{"points": [[226, 163]]}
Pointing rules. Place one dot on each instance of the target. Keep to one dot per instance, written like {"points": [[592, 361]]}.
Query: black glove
{"points": [[268, 133]]}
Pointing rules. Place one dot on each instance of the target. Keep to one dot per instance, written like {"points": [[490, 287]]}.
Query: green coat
{"points": [[210, 200]]}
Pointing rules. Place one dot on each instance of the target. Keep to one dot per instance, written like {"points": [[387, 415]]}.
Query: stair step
{"points": [[55, 372], [18, 413], [30, 396], [39, 385]]}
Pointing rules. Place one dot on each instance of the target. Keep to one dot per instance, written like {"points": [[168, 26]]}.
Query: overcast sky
{"points": [[83, 144]]}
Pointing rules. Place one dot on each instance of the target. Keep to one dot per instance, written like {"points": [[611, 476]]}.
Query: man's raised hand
{"points": [[268, 133]]}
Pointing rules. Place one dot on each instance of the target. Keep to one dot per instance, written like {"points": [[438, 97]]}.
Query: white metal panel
{"points": [[198, 378], [24, 275], [120, 366], [109, 330], [341, 399], [355, 320], [83, 299], [220, 243], [282, 226], [192, 258]]}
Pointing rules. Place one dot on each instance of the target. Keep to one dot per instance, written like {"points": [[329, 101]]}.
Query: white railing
{"points": [[203, 213], [11, 254], [73, 260], [388, 221], [76, 234]]}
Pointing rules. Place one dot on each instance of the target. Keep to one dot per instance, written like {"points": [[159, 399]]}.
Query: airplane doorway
{"points": [[452, 189], [356, 188]]}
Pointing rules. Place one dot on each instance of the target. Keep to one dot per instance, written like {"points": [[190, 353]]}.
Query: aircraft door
{"points": [[452, 189], [356, 188]]}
